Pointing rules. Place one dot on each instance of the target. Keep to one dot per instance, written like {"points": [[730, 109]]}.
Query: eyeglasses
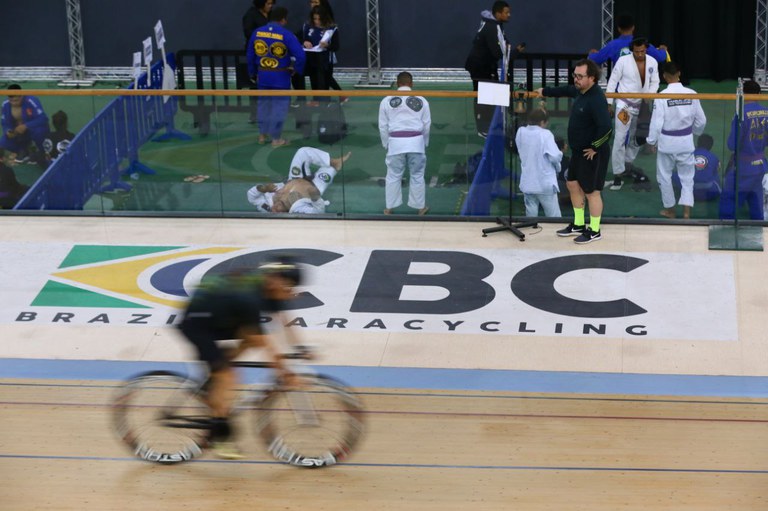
{"points": [[578, 76]]}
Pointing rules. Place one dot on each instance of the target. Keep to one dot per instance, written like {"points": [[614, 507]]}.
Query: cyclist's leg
{"points": [[222, 388]]}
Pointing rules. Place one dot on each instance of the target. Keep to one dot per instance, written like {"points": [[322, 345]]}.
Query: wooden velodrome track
{"points": [[425, 447], [423, 450]]}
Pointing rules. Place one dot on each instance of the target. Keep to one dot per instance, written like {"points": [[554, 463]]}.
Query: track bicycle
{"points": [[163, 417]]}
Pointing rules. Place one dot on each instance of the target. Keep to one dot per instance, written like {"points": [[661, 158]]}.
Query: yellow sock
{"points": [[594, 223], [578, 217]]}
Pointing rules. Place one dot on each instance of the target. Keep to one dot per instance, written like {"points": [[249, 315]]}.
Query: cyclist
{"points": [[230, 307]]}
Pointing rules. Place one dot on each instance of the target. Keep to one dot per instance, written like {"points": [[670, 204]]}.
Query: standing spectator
{"points": [[256, 16], [706, 181], [270, 51], [540, 161], [320, 40], [619, 47], [589, 130], [637, 72], [673, 124], [751, 163], [488, 48], [24, 123], [404, 123]]}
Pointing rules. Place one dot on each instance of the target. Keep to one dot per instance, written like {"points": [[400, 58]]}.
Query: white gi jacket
{"points": [[540, 160], [625, 78], [675, 121], [263, 200], [404, 123]]}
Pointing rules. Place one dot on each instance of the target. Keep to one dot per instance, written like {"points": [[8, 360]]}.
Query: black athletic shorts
{"points": [[204, 337], [590, 173]]}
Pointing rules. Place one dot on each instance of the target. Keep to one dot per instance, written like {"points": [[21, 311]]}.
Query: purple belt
{"points": [[405, 134], [678, 133], [754, 159]]}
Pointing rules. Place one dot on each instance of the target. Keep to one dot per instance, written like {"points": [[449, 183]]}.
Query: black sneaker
{"points": [[571, 230], [617, 183], [588, 236]]}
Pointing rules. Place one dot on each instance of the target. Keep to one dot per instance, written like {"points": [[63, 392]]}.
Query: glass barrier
{"points": [[200, 153]]}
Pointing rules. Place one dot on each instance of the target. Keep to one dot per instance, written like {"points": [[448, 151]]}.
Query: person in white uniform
{"points": [[540, 161], [404, 123], [637, 72], [304, 189], [673, 124]]}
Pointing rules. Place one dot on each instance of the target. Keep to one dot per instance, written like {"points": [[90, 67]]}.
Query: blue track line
{"points": [[428, 379]]}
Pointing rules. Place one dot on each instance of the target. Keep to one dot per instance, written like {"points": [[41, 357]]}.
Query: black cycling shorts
{"points": [[204, 338]]}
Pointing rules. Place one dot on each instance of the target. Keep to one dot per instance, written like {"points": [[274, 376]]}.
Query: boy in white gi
{"points": [[303, 192], [540, 161], [404, 123], [637, 72], [673, 125]]}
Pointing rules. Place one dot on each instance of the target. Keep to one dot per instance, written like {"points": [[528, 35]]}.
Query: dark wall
{"points": [[413, 33], [717, 44]]}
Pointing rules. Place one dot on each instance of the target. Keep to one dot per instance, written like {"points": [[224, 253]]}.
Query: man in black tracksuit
{"points": [[589, 130], [488, 48]]}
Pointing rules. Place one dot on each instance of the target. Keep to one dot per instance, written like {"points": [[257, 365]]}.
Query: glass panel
{"points": [[201, 155]]}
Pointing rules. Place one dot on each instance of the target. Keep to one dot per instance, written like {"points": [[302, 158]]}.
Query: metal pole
{"points": [[606, 21], [761, 42], [76, 47], [373, 76]]}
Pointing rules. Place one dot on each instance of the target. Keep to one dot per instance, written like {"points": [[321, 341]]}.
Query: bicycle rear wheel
{"points": [[161, 417], [315, 425]]}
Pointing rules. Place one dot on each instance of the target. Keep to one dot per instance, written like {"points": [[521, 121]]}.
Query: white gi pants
{"points": [[396, 165], [665, 165], [548, 201], [625, 146], [300, 167]]}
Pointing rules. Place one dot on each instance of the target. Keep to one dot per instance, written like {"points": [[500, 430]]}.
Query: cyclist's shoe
{"points": [[226, 450]]}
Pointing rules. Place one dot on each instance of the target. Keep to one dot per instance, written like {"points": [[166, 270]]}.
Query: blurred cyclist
{"points": [[231, 307]]}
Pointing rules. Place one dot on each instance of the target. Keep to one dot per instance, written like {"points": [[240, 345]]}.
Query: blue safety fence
{"points": [[491, 171], [107, 148]]}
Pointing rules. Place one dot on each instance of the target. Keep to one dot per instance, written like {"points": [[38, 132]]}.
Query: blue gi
{"points": [[271, 50], [33, 116], [753, 139], [706, 180], [620, 47]]}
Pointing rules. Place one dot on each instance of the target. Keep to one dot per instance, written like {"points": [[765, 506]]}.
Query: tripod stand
{"points": [[498, 129]]}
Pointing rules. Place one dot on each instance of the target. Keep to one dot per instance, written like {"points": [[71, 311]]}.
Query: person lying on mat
{"points": [[304, 189]]}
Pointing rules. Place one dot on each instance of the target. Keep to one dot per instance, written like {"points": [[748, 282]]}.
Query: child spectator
{"points": [[60, 137], [540, 162], [706, 180]]}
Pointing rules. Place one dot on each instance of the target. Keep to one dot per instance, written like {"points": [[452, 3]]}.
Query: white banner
{"points": [[495, 292], [159, 35]]}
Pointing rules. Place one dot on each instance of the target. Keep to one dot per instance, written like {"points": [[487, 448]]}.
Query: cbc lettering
{"points": [[377, 302]]}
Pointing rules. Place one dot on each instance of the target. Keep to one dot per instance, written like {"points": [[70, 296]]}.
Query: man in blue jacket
{"points": [[621, 45], [274, 54], [488, 48], [24, 122]]}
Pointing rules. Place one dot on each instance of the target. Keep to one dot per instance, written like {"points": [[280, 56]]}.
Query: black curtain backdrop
{"points": [[710, 39]]}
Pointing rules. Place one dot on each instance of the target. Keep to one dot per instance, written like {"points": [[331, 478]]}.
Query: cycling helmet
{"points": [[285, 267]]}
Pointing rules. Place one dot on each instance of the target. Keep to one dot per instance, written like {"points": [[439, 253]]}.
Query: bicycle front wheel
{"points": [[161, 417], [314, 425]]}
